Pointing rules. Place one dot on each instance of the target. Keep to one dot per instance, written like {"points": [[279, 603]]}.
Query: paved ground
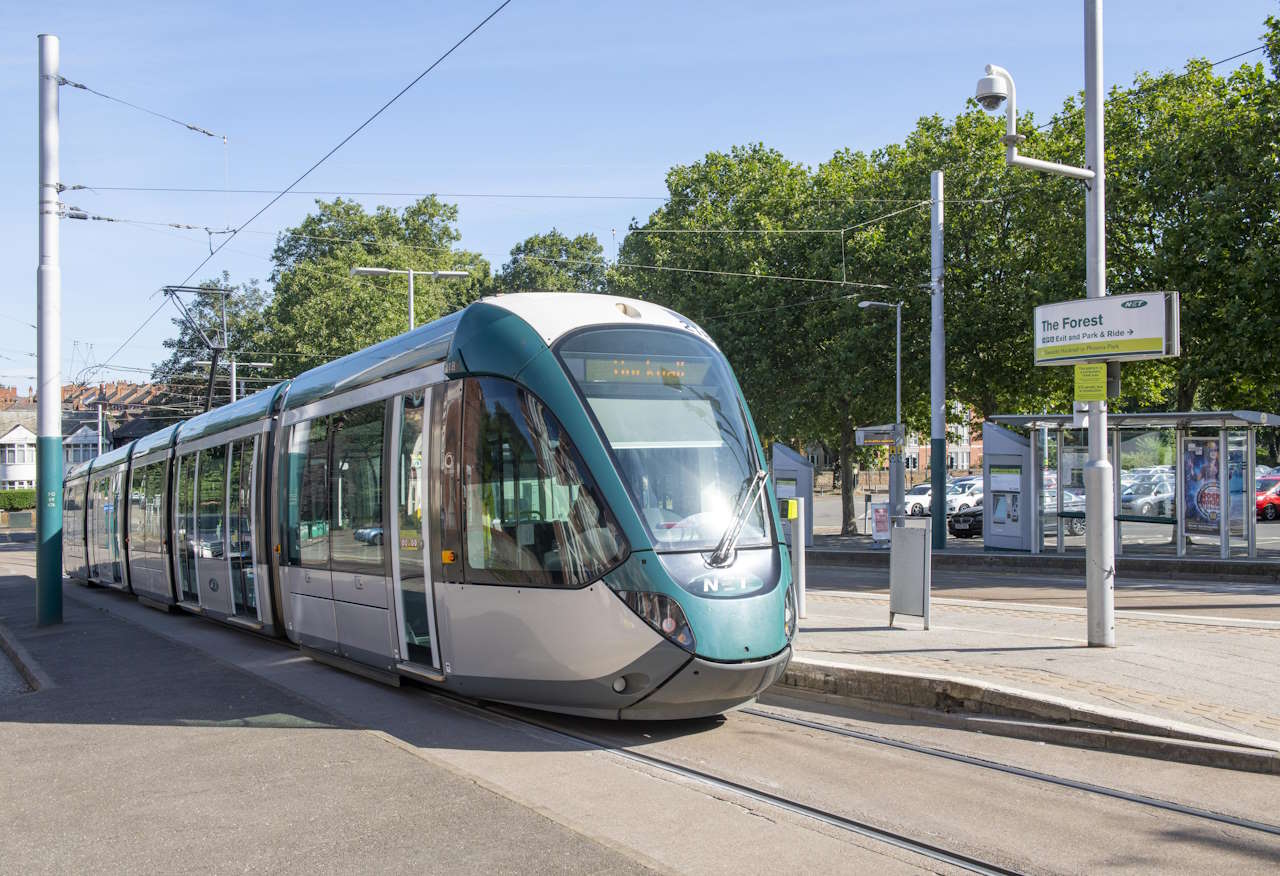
{"points": [[1204, 653], [170, 743]]}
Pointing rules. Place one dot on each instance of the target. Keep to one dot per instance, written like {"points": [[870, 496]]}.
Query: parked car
{"points": [[1072, 501], [1268, 499], [1153, 497], [918, 500], [966, 523], [963, 496]]}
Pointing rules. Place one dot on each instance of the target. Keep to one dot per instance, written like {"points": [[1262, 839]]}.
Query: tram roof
{"points": [[245, 410], [554, 314], [155, 440], [110, 458], [424, 345], [1148, 420]]}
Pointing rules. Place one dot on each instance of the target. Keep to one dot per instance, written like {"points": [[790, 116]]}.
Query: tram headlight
{"points": [[662, 613], [789, 614]]}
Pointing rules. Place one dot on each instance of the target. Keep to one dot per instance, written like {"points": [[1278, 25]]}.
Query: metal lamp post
{"points": [[993, 89], [384, 272], [897, 491]]}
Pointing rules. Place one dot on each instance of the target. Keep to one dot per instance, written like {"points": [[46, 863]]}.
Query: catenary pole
{"points": [[937, 370], [48, 348], [1100, 549]]}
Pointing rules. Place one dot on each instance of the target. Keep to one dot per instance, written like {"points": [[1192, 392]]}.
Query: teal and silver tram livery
{"points": [[555, 501]]}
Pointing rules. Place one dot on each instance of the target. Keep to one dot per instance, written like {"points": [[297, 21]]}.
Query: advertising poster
{"points": [[880, 521], [1202, 496]]}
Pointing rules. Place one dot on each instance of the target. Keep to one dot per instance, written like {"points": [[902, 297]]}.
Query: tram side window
{"points": [[533, 514], [155, 507], [307, 514], [355, 490], [138, 509]]}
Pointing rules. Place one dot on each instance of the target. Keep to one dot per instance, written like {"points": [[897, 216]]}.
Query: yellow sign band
{"points": [[1100, 348]]}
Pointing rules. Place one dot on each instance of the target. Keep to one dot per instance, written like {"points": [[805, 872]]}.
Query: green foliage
{"points": [[17, 500], [318, 312], [554, 262], [1193, 205]]}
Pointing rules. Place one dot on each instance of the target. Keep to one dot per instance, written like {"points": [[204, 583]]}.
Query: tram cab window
{"points": [[533, 513]]}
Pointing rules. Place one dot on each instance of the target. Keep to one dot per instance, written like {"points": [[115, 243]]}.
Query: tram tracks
{"points": [[1020, 772], [887, 836], [722, 784]]}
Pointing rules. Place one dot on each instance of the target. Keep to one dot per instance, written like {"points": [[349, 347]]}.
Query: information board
{"points": [[1111, 328]]}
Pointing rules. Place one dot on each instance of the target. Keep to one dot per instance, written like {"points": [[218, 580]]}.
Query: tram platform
{"points": [[1195, 661], [138, 753]]}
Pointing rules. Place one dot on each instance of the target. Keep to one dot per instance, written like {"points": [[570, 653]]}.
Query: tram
{"points": [[550, 500]]}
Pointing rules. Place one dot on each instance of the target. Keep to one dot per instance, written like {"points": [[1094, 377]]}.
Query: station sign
{"points": [[879, 436], [1113, 328]]}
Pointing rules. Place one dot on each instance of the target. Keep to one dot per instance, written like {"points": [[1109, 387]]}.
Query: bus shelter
{"points": [[1184, 483]]}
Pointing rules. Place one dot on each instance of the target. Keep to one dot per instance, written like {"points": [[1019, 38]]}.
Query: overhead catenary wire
{"points": [[231, 236], [437, 62], [1150, 86]]}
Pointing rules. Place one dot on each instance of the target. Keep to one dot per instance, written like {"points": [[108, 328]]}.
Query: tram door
{"points": [[410, 523], [212, 577]]}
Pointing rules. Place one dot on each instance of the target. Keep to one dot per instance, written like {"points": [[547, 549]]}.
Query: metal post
{"points": [[937, 370], [411, 323], [898, 492], [1062, 530], [48, 348], [1037, 489], [1115, 487], [1180, 485], [1224, 498], [1100, 559], [799, 527], [99, 400], [233, 379], [1250, 507]]}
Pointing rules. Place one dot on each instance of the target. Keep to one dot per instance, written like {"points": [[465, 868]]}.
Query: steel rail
{"points": [[860, 828], [1022, 772]]}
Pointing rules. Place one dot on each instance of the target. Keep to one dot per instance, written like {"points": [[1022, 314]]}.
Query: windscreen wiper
{"points": [[750, 489]]}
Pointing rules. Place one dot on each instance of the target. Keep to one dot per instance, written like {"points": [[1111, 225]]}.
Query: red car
{"points": [[1269, 497]]}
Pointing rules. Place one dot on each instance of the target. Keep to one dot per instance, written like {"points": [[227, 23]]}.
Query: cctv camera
{"points": [[991, 92]]}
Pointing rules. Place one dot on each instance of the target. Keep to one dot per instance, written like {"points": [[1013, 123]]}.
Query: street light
{"points": [[384, 272], [993, 89], [897, 495]]}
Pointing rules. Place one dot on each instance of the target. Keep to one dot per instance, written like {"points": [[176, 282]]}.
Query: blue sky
{"points": [[583, 98]]}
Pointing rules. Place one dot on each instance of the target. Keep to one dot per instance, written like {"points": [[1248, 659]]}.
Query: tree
{"points": [[554, 262], [319, 313]]}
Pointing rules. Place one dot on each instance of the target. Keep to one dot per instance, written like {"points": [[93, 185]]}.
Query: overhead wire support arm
{"points": [[62, 80]]}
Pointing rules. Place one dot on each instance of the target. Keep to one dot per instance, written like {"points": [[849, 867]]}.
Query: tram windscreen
{"points": [[669, 411]]}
